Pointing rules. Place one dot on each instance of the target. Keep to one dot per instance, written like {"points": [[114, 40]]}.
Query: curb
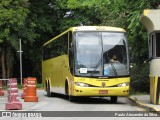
{"points": [[144, 106]]}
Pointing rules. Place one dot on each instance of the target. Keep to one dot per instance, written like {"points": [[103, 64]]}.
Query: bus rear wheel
{"points": [[48, 90], [72, 98], [114, 99]]}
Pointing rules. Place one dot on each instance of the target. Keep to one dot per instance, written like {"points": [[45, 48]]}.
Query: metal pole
{"points": [[20, 55]]}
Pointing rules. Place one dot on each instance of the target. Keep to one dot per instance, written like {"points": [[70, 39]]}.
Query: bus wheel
{"points": [[46, 86], [71, 98], [114, 99], [48, 90], [66, 89]]}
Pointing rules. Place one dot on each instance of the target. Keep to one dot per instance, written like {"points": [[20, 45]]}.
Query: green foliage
{"points": [[39, 86], [37, 21], [140, 78], [12, 18]]}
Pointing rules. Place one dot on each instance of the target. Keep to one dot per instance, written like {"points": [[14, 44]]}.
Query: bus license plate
{"points": [[103, 92]]}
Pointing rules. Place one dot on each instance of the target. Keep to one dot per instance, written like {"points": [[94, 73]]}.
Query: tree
{"points": [[42, 23], [37, 21], [12, 18], [120, 13]]}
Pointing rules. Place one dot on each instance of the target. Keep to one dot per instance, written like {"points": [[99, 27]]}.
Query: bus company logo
{"points": [[103, 84]]}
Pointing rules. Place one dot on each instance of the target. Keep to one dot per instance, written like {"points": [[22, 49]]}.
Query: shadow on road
{"points": [[87, 100]]}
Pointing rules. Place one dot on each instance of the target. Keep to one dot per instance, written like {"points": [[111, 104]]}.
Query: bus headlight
{"points": [[123, 84], [81, 84]]}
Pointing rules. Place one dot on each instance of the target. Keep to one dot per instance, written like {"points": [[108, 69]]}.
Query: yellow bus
{"points": [[90, 61]]}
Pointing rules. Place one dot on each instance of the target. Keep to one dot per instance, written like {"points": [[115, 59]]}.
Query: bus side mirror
{"points": [[149, 59]]}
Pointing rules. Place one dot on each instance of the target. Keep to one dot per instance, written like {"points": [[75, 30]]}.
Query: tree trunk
{"points": [[8, 73], [9, 60], [3, 64]]}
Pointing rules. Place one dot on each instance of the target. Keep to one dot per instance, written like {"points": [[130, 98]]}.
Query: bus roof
{"points": [[97, 28], [88, 28]]}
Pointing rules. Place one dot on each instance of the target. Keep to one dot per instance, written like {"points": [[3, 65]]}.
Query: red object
{"points": [[103, 91], [24, 88], [1, 90], [13, 101], [31, 90]]}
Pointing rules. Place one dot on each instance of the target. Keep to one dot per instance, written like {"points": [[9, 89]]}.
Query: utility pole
{"points": [[20, 57]]}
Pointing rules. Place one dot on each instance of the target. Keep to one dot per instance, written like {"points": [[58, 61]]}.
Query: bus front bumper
{"points": [[97, 91]]}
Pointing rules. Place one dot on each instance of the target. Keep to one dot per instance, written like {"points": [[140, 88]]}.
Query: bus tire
{"points": [[46, 86], [114, 99], [71, 98], [48, 90], [66, 88]]}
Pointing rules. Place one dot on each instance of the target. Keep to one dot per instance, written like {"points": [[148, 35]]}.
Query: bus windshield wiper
{"points": [[96, 66], [114, 69]]}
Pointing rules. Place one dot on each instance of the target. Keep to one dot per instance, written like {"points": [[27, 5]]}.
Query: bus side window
{"points": [[71, 52]]}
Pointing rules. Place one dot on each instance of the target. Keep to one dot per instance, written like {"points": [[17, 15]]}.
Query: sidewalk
{"points": [[143, 101]]}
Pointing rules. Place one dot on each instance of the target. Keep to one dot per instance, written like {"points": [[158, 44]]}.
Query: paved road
{"points": [[61, 103]]}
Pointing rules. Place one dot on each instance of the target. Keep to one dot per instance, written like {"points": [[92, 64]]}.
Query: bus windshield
{"points": [[101, 54]]}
